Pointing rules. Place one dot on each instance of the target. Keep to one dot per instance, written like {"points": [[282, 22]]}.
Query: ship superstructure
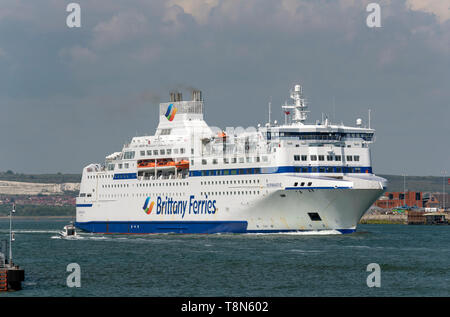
{"points": [[192, 178]]}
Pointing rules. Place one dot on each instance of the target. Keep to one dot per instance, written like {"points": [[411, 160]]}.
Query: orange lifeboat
{"points": [[165, 163], [146, 164], [161, 163], [182, 164]]}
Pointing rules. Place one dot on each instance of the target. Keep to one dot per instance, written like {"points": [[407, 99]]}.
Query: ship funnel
{"points": [[175, 96], [196, 95]]}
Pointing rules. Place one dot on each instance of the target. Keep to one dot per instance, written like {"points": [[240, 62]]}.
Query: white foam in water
{"points": [[35, 231], [302, 233], [305, 251]]}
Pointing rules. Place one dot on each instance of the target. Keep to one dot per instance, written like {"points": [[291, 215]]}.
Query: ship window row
{"points": [[239, 171], [121, 195], [162, 152], [324, 136], [229, 182], [234, 160], [331, 169], [99, 176], [236, 192], [145, 185], [337, 158]]}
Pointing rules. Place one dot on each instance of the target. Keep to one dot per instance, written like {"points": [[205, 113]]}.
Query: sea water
{"points": [[413, 261]]}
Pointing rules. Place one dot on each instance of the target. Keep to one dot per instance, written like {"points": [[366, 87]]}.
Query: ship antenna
{"points": [[270, 110], [334, 110]]}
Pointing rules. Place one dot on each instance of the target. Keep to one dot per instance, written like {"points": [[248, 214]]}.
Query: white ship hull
{"points": [[271, 207]]}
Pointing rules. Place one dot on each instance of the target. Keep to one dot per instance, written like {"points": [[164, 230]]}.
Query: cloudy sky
{"points": [[70, 96]]}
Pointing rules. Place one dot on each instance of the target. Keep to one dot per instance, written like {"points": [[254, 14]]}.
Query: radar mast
{"points": [[299, 106]]}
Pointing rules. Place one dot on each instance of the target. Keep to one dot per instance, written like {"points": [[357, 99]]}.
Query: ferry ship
{"points": [[192, 178]]}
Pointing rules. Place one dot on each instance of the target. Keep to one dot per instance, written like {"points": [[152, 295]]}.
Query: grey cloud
{"points": [[86, 91]]}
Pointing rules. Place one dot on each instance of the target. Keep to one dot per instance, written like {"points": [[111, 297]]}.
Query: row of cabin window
{"points": [[234, 160], [255, 192], [229, 182], [324, 136], [100, 176], [139, 195], [338, 158], [145, 185], [162, 152], [337, 169]]}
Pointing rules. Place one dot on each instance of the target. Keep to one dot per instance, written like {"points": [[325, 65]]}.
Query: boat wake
{"points": [[300, 233]]}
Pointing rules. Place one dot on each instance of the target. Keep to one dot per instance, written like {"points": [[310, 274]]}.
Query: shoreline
{"points": [[37, 217], [400, 219]]}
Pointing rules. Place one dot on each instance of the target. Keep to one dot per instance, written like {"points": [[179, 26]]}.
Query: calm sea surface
{"points": [[414, 261]]}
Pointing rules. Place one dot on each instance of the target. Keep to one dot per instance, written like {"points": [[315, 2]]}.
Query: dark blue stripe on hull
{"points": [[163, 226], [189, 227]]}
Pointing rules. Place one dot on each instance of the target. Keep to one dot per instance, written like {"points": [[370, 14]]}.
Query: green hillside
{"points": [[40, 178], [416, 183]]}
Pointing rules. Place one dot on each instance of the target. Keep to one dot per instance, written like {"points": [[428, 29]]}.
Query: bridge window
{"points": [[304, 157], [128, 155], [313, 157], [356, 158], [296, 157]]}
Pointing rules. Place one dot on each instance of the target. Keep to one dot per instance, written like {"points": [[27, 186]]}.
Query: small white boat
{"points": [[68, 231]]}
